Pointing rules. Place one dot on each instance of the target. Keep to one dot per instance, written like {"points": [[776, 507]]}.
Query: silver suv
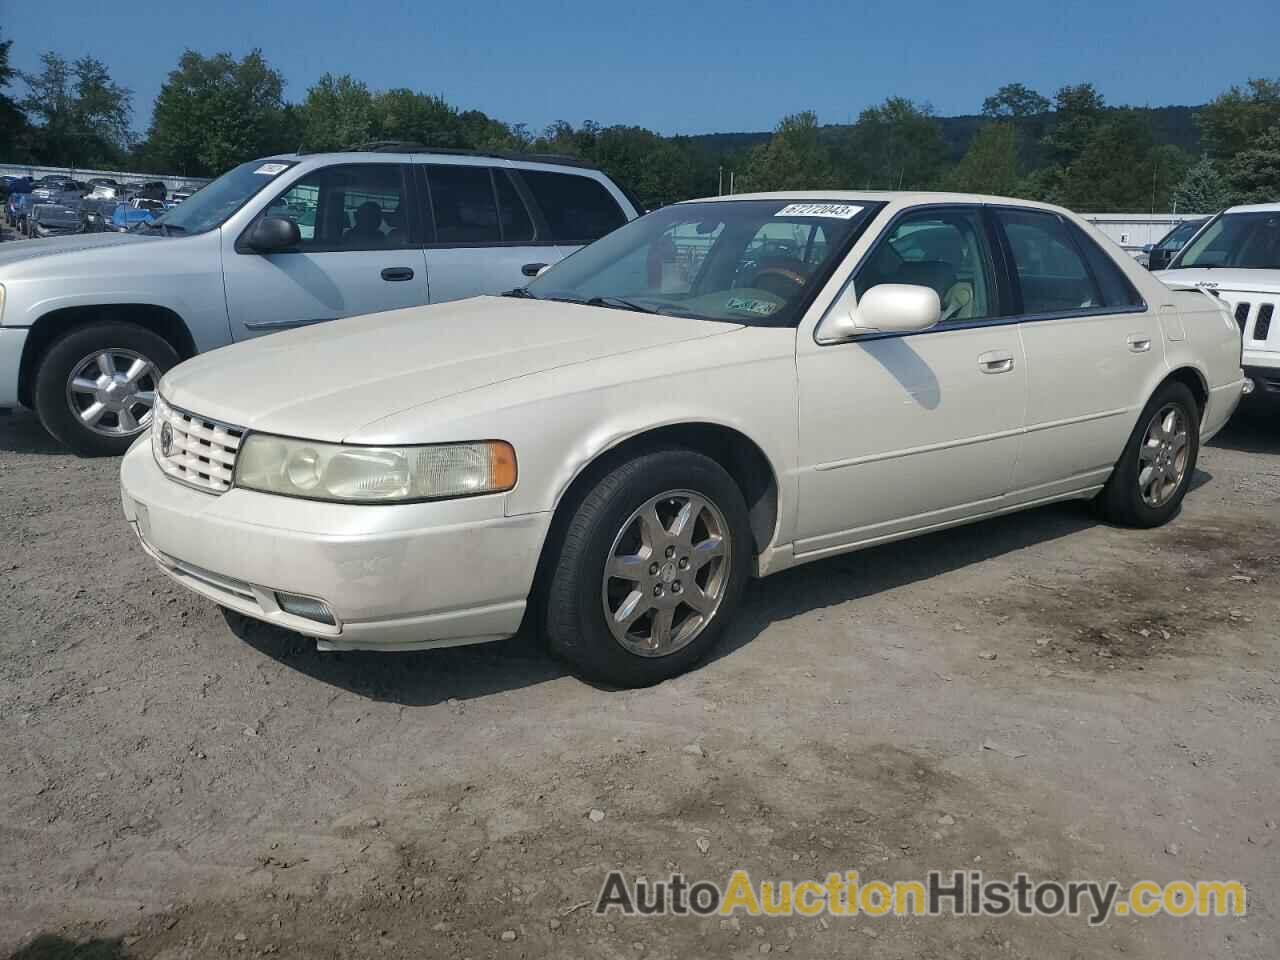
{"points": [[89, 323]]}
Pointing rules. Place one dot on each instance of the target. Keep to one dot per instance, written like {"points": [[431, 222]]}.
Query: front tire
{"points": [[95, 387], [651, 567], [1148, 484]]}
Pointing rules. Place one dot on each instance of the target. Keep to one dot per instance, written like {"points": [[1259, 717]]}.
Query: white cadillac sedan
{"points": [[721, 389]]}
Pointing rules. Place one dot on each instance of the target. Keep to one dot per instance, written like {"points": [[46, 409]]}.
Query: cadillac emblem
{"points": [[166, 439]]}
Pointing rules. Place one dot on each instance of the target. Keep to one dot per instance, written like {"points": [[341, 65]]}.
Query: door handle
{"points": [[1139, 342], [531, 269], [995, 361], [397, 273]]}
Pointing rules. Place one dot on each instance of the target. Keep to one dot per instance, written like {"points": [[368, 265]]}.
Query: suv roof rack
{"points": [[409, 146]]}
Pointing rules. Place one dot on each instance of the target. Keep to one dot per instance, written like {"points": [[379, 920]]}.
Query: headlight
{"points": [[331, 471]]}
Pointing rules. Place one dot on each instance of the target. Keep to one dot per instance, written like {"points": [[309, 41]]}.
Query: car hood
{"points": [[1223, 278], [324, 382], [13, 253]]}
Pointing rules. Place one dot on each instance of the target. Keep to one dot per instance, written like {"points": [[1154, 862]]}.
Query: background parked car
{"points": [[276, 243], [1161, 253], [54, 219]]}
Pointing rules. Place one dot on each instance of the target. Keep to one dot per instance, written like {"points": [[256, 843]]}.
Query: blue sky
{"points": [[686, 67]]}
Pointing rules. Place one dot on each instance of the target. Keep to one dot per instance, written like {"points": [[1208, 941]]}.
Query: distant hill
{"points": [[1172, 125]]}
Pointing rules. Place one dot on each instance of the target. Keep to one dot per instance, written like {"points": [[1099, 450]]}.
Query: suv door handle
{"points": [[1139, 342], [397, 273], [995, 361]]}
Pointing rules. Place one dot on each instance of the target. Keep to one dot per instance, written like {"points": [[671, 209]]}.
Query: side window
{"points": [[1117, 291], [464, 204], [1050, 272], [946, 250], [352, 207], [577, 209], [517, 225]]}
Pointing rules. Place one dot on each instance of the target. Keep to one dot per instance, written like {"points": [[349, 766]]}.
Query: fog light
{"points": [[308, 608], [1249, 387]]}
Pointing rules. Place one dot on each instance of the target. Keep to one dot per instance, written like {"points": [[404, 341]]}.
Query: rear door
{"points": [[481, 230], [360, 253], [1092, 348]]}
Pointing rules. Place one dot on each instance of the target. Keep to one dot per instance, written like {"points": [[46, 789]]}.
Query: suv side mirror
{"points": [[885, 308], [271, 234]]}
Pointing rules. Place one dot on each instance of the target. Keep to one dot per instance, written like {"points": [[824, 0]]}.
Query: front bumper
{"points": [[12, 340], [398, 577], [1266, 383]]}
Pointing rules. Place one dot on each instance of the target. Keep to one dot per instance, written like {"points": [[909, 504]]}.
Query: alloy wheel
{"points": [[112, 392], [667, 573], [1162, 458]]}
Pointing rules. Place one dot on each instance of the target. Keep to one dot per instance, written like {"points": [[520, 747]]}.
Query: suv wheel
{"points": [[1147, 485], [651, 568], [96, 387]]}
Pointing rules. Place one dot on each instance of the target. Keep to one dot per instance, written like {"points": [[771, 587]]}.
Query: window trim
{"points": [[1004, 271], [407, 202]]}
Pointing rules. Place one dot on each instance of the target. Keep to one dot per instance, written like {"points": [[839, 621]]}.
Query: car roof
{"points": [[902, 197], [442, 155], [1255, 208]]}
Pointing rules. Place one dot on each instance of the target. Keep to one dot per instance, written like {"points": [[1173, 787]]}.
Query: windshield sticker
{"points": [[841, 211], [761, 308], [271, 169]]}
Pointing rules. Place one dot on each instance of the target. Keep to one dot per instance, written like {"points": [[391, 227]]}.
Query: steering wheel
{"points": [[779, 279]]}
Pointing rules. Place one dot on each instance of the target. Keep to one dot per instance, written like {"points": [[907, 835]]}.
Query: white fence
{"points": [[170, 180], [1133, 231]]}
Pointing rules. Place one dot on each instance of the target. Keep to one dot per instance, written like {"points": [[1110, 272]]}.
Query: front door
{"points": [[906, 432], [359, 253]]}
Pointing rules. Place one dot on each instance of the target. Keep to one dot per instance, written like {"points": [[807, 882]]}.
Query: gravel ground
{"points": [[1038, 693]]}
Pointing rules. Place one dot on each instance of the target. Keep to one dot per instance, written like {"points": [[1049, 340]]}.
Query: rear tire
{"points": [[64, 410], [1148, 484], [649, 570]]}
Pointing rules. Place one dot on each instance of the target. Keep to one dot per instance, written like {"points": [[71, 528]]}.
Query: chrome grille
{"points": [[200, 453]]}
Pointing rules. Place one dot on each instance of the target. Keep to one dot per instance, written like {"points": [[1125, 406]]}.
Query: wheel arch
{"points": [[161, 321], [1194, 380], [742, 458]]}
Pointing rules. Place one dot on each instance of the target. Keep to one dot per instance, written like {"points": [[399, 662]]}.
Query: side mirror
{"points": [[534, 269], [271, 234], [885, 308]]}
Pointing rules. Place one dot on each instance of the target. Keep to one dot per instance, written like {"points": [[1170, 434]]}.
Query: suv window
{"points": [[350, 207], [463, 204], [1117, 290], [945, 249], [1049, 269], [577, 209]]}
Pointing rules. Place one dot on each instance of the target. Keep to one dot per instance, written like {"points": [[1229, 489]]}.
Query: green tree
{"points": [[1077, 111], [1254, 173], [337, 113], [1121, 168], [1204, 189], [793, 159], [81, 114], [1235, 120], [14, 129], [990, 165], [896, 145], [214, 112], [403, 114], [656, 169], [1014, 101]]}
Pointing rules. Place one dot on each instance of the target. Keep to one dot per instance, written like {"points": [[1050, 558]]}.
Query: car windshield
{"points": [[208, 208], [1180, 235], [744, 261], [1246, 240]]}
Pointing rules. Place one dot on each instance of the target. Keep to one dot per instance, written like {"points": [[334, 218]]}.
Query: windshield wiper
{"points": [[520, 292], [617, 303]]}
